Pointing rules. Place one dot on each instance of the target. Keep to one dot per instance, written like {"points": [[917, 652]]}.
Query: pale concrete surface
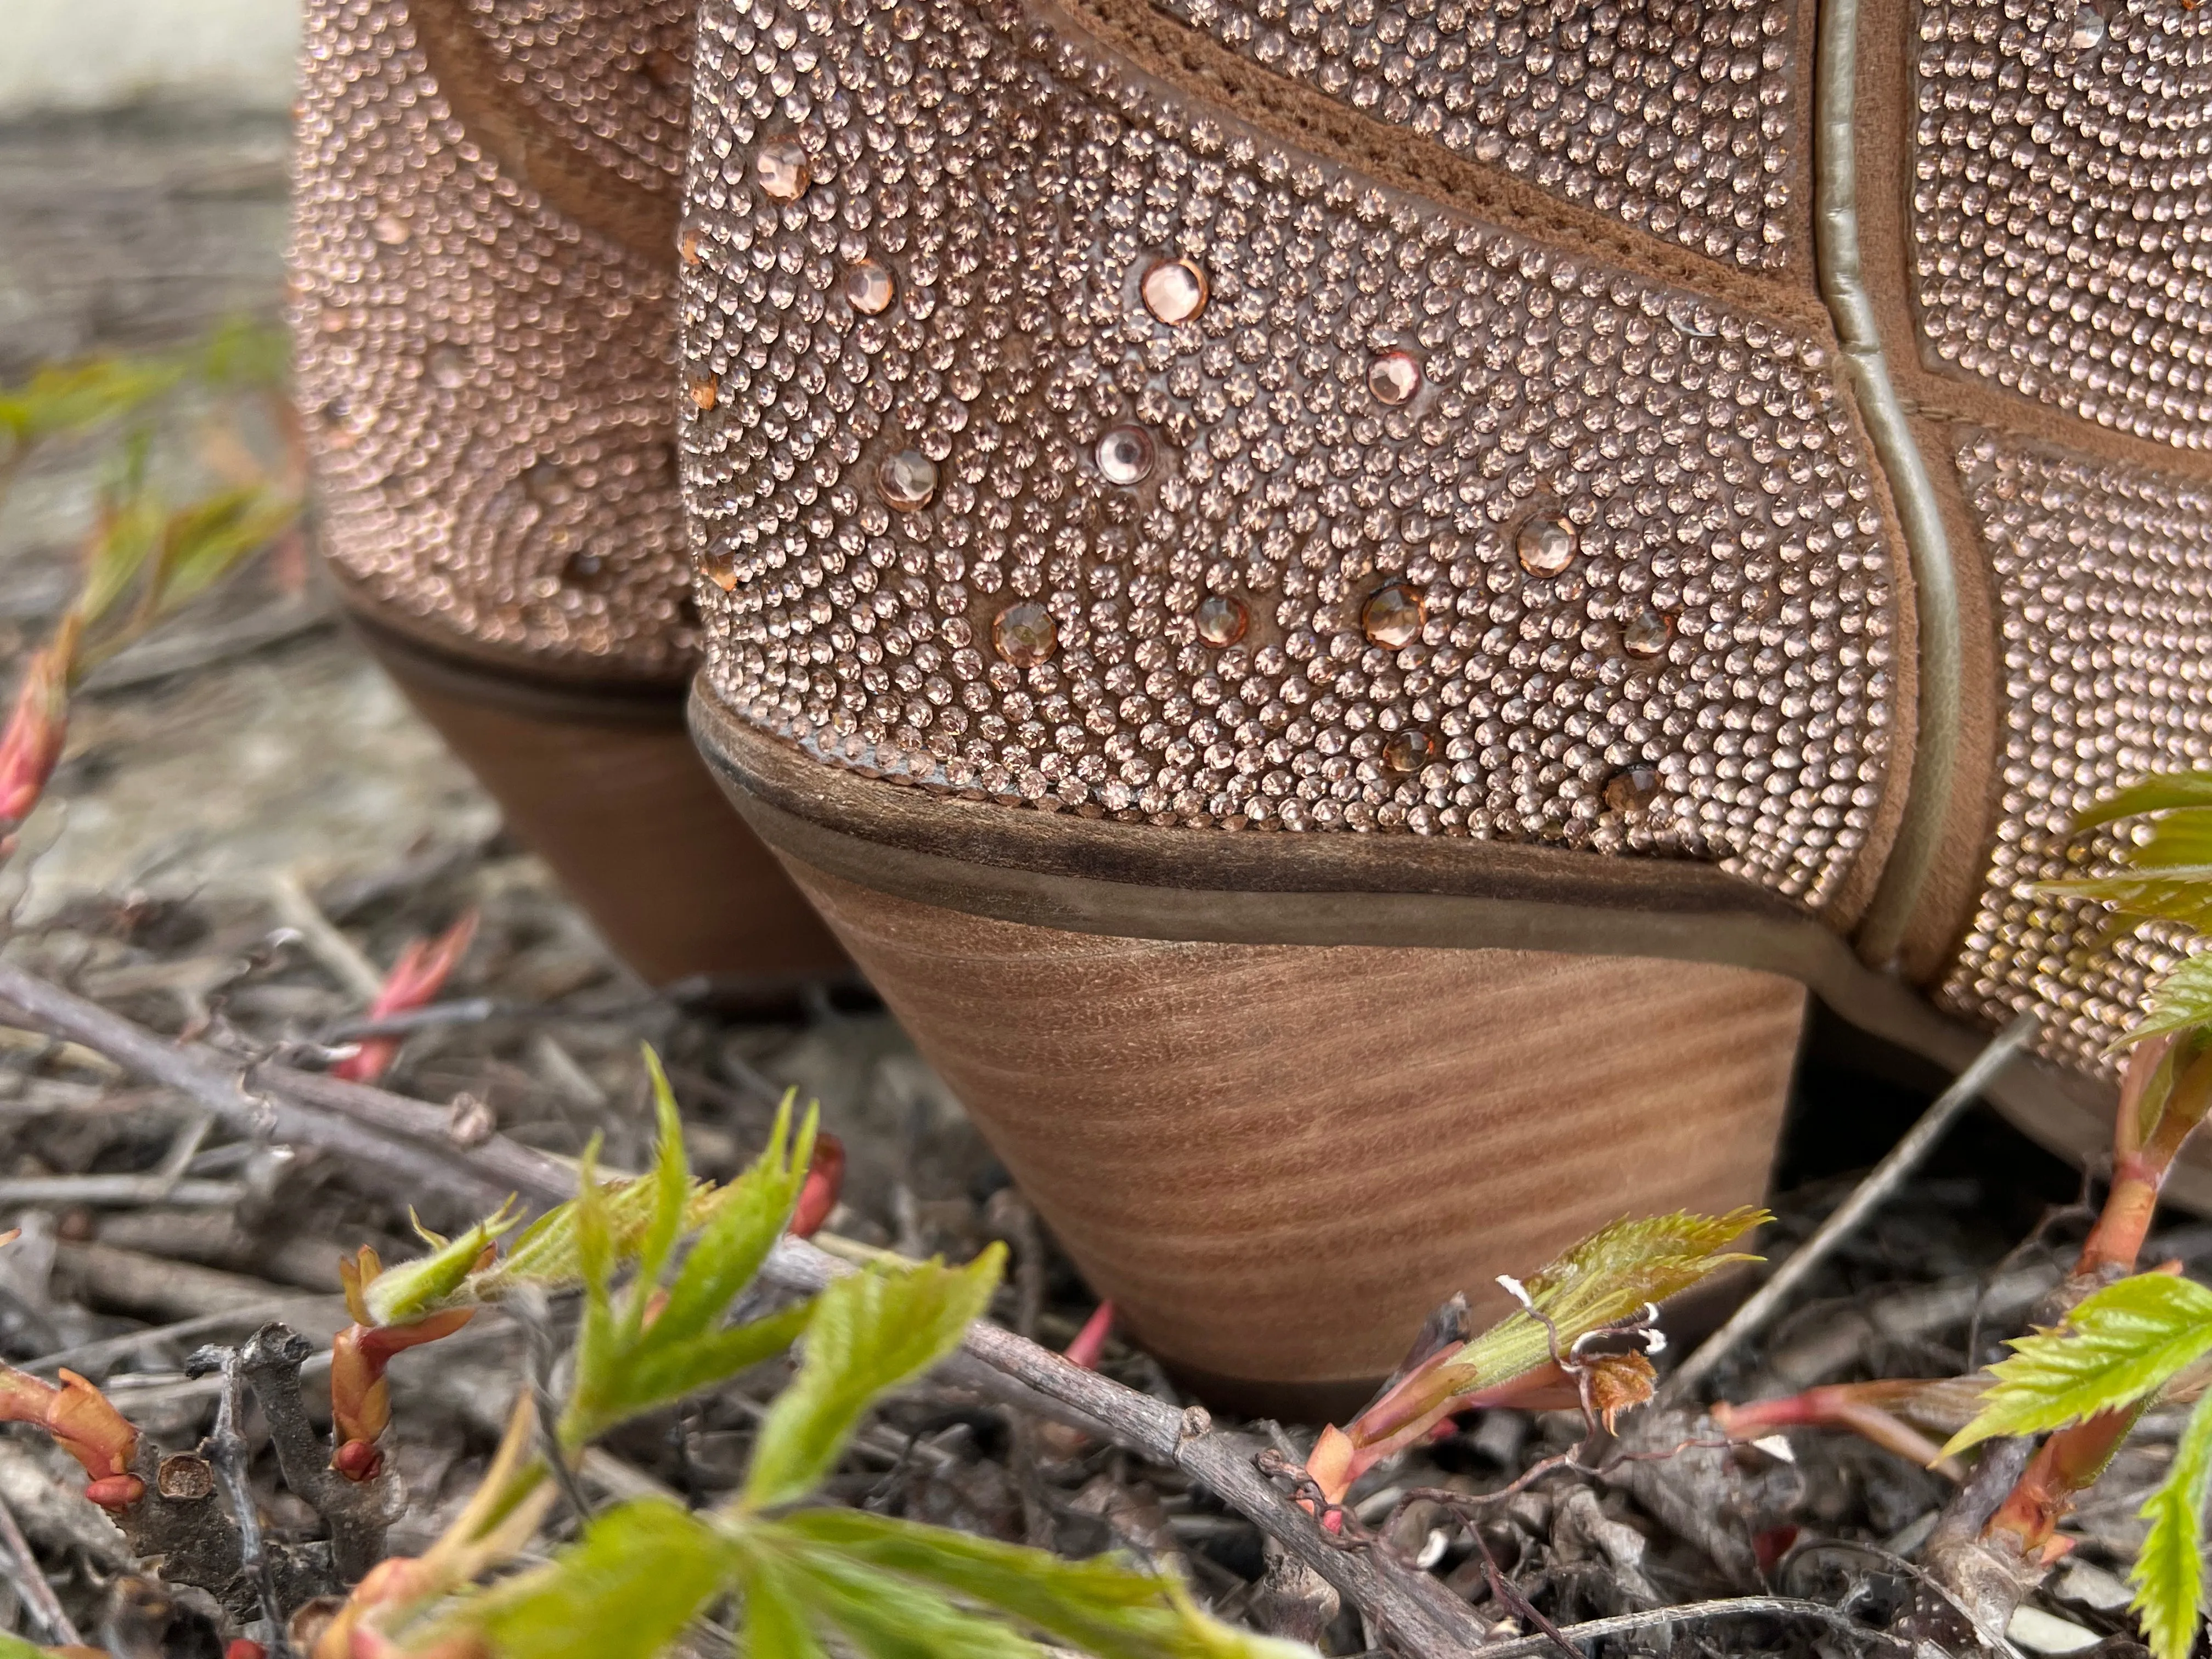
{"points": [[133, 228], [98, 54]]}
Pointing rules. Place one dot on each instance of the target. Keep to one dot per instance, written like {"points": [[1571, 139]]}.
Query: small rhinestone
{"points": [[721, 568], [1406, 751], [588, 573], [1645, 633], [1393, 377], [907, 480], [689, 247], [1125, 454], [781, 170], [869, 288], [448, 369], [1025, 633], [704, 390], [1546, 545], [390, 229], [1632, 790], [548, 483], [1393, 616], [1175, 290], [2089, 29], [1221, 619]]}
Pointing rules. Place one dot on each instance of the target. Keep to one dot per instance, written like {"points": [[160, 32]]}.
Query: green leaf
{"points": [[2175, 838], [206, 540], [546, 1253], [413, 1289], [871, 1332], [1102, 1606], [640, 1575], [775, 1624], [15, 1647], [745, 1220], [892, 1618], [2182, 999], [671, 1189], [2169, 1570], [63, 399], [2157, 793], [240, 353], [128, 539], [1601, 1281], [2182, 894], [649, 1378], [628, 1365], [2117, 1347]]}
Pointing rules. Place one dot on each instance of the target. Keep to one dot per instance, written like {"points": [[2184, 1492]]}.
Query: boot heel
{"points": [[606, 787], [1278, 1159]]}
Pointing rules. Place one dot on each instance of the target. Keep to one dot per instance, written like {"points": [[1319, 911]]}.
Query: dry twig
{"points": [[1880, 1184]]}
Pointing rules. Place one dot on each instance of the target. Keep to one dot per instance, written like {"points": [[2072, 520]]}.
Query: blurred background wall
{"points": [[142, 163], [58, 55]]}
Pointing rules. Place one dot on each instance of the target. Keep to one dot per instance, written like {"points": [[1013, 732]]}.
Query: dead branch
{"points": [[1428, 1621], [1735, 1606], [395, 1136], [1880, 1184], [356, 1512]]}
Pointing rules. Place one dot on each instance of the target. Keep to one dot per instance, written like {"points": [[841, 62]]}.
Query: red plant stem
{"points": [[1090, 1341], [1862, 1407], [2064, 1465], [415, 980], [2072, 1458], [2139, 1171]]}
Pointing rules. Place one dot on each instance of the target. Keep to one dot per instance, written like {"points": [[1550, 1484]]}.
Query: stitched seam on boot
{"points": [[1195, 65], [639, 215]]}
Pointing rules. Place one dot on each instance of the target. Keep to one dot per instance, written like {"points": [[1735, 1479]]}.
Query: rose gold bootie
{"points": [[484, 254], [1344, 604]]}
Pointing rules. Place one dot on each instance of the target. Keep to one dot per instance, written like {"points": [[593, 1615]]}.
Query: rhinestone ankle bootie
{"points": [[483, 300], [1343, 601]]}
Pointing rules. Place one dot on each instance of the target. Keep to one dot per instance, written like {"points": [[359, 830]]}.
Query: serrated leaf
{"points": [[2178, 1002], [775, 1624], [415, 1288], [745, 1220], [2168, 1575], [652, 1378], [2182, 894], [2117, 1347], [545, 1254], [628, 1364], [626, 1590], [887, 1617], [871, 1332], [1103, 1605], [671, 1188], [1601, 1281], [205, 540], [2161, 792]]}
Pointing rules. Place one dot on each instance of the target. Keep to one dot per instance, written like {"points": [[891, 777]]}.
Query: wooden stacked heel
{"points": [[1278, 1159], [604, 784]]}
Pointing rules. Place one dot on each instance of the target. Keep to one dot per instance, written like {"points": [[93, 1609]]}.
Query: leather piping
{"points": [[1836, 249]]}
